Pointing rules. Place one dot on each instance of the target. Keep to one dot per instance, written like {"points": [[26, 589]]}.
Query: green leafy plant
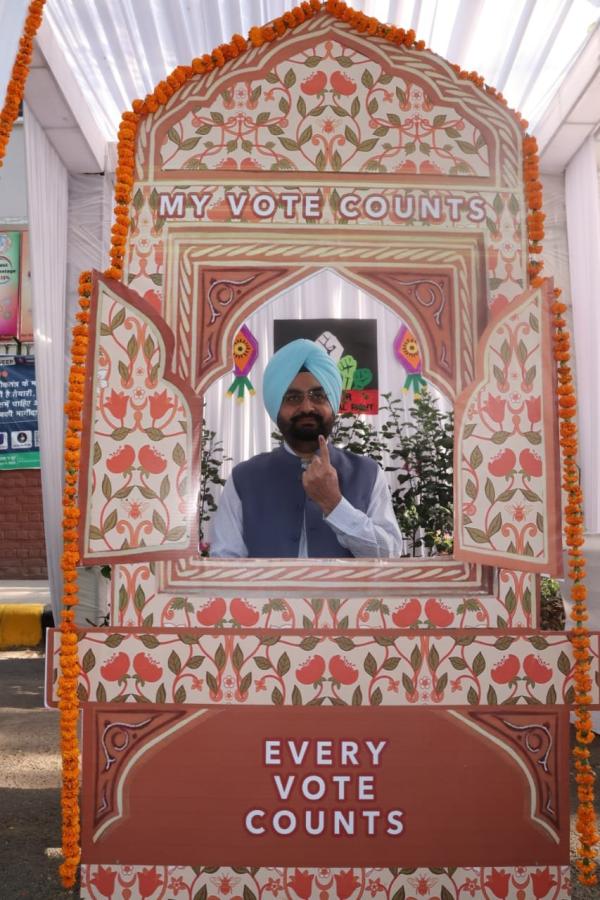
{"points": [[552, 616], [419, 451], [212, 458]]}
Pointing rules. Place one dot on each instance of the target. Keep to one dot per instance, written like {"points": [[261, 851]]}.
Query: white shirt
{"points": [[373, 534]]}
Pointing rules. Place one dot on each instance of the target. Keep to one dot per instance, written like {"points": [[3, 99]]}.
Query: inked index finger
{"points": [[324, 449]]}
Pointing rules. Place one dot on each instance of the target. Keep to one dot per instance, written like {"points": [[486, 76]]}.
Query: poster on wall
{"points": [[352, 343], [10, 246], [19, 443], [25, 332]]}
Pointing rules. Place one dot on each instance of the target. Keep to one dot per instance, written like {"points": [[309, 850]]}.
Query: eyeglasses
{"points": [[315, 395]]}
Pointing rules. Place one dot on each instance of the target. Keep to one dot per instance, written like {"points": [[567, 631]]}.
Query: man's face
{"points": [[301, 421]]}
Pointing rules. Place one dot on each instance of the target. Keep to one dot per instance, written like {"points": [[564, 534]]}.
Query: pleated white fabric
{"points": [[583, 224], [47, 186]]}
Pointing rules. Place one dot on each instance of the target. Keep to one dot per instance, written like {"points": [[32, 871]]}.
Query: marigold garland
{"points": [[125, 177], [15, 89], [580, 637], [69, 660]]}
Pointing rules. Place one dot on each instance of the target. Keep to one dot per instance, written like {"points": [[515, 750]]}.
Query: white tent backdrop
{"points": [[583, 220], [120, 49], [47, 194], [244, 428]]}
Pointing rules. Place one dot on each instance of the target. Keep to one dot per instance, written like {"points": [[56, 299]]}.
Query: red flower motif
{"points": [[148, 881], [160, 404], [502, 463], [541, 882], [342, 671], [438, 613], [250, 165], [498, 883], [429, 168], [301, 883], [311, 670], [536, 669], [120, 460], [116, 404], [495, 408], [147, 669], [345, 884], [534, 409], [104, 881], [314, 84], [243, 612], [212, 612], [506, 669], [531, 463], [228, 163], [407, 613], [151, 460], [116, 667], [341, 84], [407, 166]]}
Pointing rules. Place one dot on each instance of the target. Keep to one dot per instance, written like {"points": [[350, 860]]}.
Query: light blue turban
{"points": [[283, 367]]}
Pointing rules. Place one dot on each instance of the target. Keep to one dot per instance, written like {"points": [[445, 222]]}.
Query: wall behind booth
{"points": [[22, 543]]}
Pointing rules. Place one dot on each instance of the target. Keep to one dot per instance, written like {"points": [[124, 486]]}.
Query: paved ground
{"points": [[30, 780]]}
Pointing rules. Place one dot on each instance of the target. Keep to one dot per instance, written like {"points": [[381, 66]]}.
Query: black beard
{"points": [[312, 426]]}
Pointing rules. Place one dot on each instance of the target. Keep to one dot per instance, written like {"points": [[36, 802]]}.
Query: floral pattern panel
{"points": [[299, 669], [329, 108], [506, 457], [135, 488], [300, 883]]}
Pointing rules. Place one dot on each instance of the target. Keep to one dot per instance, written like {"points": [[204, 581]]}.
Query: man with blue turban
{"points": [[307, 498]]}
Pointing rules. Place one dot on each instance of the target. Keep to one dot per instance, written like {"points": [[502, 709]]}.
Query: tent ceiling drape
{"points": [[120, 49]]}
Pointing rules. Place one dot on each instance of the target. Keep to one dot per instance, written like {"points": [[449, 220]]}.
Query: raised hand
{"points": [[320, 480]]}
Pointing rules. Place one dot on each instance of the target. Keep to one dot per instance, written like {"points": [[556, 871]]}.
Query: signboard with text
{"points": [[19, 436]]}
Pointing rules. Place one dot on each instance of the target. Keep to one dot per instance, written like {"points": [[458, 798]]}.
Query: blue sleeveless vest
{"points": [[275, 504]]}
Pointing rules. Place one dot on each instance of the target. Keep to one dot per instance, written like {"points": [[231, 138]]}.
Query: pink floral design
{"points": [[503, 463], [345, 884], [148, 881]]}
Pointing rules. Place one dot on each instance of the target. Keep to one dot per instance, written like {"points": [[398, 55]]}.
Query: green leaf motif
{"points": [[180, 695], [499, 437], [357, 697], [175, 534], [276, 697], [370, 665], [472, 696], [89, 661], [283, 664], [458, 663], [495, 525], [245, 684], [492, 696], [237, 657], [111, 521], [158, 522], [310, 642], [416, 659], [174, 662], [345, 643], [220, 658], [476, 457], [490, 491], [296, 696], [477, 535], [351, 135], [564, 663], [479, 664], [376, 697]]}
